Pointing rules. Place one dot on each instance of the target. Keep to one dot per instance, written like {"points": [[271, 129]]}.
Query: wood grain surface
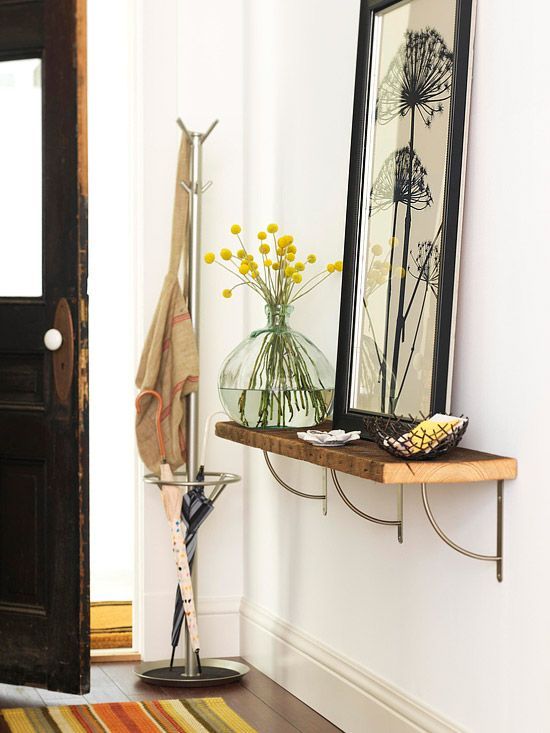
{"points": [[366, 460]]}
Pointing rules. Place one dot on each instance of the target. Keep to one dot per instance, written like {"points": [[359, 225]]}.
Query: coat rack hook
{"points": [[207, 133], [183, 128], [206, 186], [186, 186]]}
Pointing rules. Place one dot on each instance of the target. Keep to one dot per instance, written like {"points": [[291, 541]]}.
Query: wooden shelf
{"points": [[366, 460]]}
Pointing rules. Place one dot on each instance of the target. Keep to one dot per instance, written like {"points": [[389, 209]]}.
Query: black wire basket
{"points": [[391, 434]]}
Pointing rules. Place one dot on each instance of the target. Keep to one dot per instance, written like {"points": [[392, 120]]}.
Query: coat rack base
{"points": [[214, 672]]}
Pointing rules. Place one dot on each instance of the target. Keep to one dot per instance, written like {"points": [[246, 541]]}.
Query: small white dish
{"points": [[330, 438]]}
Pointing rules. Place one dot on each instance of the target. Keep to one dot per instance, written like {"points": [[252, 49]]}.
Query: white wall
{"points": [[421, 622], [111, 288]]}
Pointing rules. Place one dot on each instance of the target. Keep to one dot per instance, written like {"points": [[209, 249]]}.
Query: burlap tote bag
{"points": [[169, 363]]}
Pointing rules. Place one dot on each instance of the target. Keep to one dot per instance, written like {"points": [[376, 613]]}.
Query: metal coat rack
{"points": [[212, 671]]}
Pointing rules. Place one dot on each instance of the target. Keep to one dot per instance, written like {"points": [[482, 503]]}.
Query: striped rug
{"points": [[111, 624], [201, 715]]}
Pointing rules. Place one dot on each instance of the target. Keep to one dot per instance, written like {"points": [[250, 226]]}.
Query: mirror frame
{"points": [[346, 417]]}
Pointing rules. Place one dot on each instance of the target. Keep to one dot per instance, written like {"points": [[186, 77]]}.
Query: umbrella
{"points": [[172, 499]]}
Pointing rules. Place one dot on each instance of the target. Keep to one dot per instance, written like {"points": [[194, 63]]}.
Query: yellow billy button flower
{"points": [[280, 251], [338, 265], [289, 271], [225, 254], [227, 293], [241, 254], [262, 236], [235, 229], [272, 228], [312, 259], [376, 249], [330, 267], [399, 272], [244, 268], [209, 258], [268, 262], [253, 274], [250, 257], [253, 265], [300, 267], [291, 248], [263, 249], [290, 256], [297, 277], [393, 241], [276, 266]]}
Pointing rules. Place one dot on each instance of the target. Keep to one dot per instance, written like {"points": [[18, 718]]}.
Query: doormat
{"points": [[111, 625], [201, 715]]}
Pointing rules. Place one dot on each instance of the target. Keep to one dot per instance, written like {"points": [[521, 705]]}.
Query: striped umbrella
{"points": [[172, 499], [195, 508]]}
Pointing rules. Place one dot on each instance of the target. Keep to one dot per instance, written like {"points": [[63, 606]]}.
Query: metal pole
{"points": [[195, 194]]}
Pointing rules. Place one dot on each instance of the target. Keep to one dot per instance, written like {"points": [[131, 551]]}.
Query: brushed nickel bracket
{"points": [[302, 494], [388, 522], [498, 558]]}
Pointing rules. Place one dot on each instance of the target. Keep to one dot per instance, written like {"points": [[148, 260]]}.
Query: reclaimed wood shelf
{"points": [[366, 460]]}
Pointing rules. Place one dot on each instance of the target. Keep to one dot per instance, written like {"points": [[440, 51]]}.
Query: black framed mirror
{"points": [[403, 222]]}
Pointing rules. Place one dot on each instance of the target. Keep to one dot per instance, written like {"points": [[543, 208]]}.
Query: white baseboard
{"points": [[348, 695], [218, 622]]}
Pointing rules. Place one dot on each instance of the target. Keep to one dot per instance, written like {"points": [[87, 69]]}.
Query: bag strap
{"points": [[180, 217]]}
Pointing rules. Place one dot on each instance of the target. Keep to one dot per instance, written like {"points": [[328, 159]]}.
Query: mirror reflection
{"points": [[403, 202]]}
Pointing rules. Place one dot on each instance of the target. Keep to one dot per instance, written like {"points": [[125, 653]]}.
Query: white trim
{"points": [[347, 694]]}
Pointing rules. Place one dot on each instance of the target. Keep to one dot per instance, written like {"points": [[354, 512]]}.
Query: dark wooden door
{"points": [[44, 598]]}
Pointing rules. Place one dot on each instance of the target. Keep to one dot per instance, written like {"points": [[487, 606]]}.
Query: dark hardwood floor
{"points": [[260, 701]]}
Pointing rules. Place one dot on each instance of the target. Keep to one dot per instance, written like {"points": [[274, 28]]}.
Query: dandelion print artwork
{"points": [[402, 236]]}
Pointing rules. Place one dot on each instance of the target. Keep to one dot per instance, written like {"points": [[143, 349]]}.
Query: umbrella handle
{"points": [[160, 437]]}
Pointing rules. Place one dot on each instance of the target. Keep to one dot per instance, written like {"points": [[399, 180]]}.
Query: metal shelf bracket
{"points": [[498, 558], [388, 522], [303, 495]]}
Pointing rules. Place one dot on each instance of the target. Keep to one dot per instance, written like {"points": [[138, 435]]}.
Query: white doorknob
{"points": [[53, 339]]}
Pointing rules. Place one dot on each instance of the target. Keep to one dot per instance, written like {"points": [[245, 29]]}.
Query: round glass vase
{"points": [[277, 378]]}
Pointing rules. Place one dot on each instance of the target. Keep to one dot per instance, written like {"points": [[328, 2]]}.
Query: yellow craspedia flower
{"points": [[235, 229], [338, 265], [264, 249], [393, 241], [253, 274], [276, 266], [290, 256], [282, 242], [209, 258], [312, 259], [227, 293], [289, 271], [253, 265], [399, 271], [244, 267], [225, 254], [280, 251], [241, 254], [300, 267], [250, 257], [268, 262], [272, 228], [330, 267], [291, 248], [297, 277], [262, 235], [376, 249]]}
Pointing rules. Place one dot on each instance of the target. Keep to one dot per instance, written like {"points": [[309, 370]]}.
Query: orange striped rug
{"points": [[201, 715]]}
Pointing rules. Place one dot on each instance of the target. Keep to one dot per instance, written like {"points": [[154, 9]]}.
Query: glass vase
{"points": [[277, 378]]}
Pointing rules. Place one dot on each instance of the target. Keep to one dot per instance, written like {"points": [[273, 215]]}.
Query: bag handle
{"points": [[180, 217]]}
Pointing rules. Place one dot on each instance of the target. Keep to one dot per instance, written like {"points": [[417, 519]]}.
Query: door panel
{"points": [[44, 601]]}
